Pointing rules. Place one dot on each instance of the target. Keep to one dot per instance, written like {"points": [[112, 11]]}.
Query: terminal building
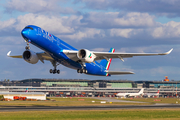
{"points": [[90, 88]]}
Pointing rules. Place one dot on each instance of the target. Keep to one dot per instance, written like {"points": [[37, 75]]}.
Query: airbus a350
{"points": [[58, 52]]}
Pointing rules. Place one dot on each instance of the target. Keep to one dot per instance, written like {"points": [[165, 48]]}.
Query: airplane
{"points": [[152, 94], [131, 94], [58, 52], [26, 90]]}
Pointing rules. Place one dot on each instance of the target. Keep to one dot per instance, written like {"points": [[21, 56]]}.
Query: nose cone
{"points": [[25, 34]]}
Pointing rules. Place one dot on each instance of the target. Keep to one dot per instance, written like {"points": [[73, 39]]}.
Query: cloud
{"points": [[126, 25], [37, 6], [168, 30], [98, 27], [159, 7], [51, 23], [85, 33], [107, 20]]}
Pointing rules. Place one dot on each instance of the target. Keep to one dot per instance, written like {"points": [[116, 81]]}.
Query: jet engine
{"points": [[86, 56], [30, 57]]}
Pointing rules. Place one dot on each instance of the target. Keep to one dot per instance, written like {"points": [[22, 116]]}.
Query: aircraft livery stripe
{"points": [[108, 63]]}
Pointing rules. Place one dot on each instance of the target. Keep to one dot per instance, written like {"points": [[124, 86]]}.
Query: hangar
{"points": [[28, 95]]}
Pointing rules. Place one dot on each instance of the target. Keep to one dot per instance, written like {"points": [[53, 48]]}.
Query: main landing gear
{"points": [[83, 70], [54, 71]]}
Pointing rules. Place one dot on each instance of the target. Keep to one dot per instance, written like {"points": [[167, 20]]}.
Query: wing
{"points": [[16, 56], [119, 72], [106, 55], [42, 56]]}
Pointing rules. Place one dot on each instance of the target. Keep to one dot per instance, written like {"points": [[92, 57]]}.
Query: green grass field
{"points": [[157, 114], [154, 100], [64, 102], [124, 114], [87, 101]]}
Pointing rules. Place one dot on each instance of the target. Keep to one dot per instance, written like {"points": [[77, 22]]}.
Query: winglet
{"points": [[166, 52], [17, 56], [169, 51], [8, 54]]}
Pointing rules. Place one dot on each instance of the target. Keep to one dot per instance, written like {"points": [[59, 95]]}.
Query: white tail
{"points": [[141, 91]]}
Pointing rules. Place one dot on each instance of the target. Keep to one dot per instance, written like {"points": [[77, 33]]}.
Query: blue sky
{"points": [[126, 25]]}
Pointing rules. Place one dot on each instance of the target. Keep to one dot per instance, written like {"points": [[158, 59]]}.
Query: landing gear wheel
{"points": [[58, 71], [84, 70], [78, 70], [54, 71], [27, 47], [81, 71], [55, 64], [51, 71]]}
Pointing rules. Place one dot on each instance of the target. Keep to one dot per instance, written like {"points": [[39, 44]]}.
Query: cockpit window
{"points": [[29, 28]]}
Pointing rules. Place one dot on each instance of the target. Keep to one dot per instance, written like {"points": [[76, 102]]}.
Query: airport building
{"points": [[26, 95], [90, 88]]}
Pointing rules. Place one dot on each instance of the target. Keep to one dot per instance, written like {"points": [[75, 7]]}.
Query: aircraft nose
{"points": [[24, 34]]}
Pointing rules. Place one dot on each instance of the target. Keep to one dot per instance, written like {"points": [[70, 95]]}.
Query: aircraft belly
{"points": [[69, 63], [95, 69]]}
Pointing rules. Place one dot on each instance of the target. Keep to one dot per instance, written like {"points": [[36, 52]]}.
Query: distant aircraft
{"points": [[131, 94], [151, 94], [59, 52], [26, 90]]}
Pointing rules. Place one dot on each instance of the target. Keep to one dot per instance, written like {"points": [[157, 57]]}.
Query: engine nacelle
{"points": [[30, 57], [86, 56]]}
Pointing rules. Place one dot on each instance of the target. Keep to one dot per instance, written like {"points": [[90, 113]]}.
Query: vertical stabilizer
{"points": [[141, 91], [26, 90], [158, 92], [106, 63]]}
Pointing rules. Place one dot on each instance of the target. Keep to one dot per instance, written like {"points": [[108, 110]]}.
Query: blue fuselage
{"points": [[55, 46]]}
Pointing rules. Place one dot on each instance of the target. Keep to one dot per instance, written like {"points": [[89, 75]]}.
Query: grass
{"points": [[87, 101], [125, 114], [157, 114], [155, 100], [64, 102]]}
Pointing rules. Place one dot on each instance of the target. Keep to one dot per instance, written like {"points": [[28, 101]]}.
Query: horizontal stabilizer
{"points": [[119, 72]]}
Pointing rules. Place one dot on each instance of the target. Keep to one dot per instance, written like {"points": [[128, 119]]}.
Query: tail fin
{"points": [[141, 91], [158, 92], [26, 90], [106, 63]]}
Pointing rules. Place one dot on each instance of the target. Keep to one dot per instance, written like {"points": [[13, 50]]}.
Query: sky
{"points": [[127, 25]]}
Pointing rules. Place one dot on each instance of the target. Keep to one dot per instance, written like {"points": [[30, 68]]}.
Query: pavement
{"points": [[102, 107], [117, 100]]}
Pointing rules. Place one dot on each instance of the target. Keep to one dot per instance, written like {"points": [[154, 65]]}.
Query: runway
{"points": [[103, 107]]}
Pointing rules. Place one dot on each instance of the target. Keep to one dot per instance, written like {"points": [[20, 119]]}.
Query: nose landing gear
{"points": [[27, 47]]}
